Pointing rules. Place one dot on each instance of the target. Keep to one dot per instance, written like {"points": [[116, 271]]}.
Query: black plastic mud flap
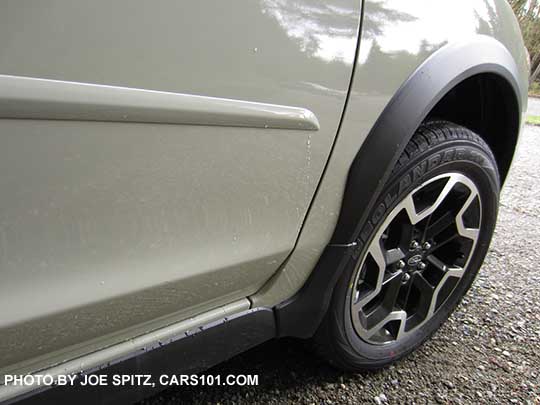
{"points": [[301, 315]]}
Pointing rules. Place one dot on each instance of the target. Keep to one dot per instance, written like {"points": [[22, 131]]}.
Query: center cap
{"points": [[414, 260]]}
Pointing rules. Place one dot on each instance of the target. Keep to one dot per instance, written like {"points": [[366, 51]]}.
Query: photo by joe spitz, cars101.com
{"points": [[182, 181]]}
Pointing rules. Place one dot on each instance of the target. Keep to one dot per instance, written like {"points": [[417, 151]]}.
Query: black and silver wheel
{"points": [[423, 245]]}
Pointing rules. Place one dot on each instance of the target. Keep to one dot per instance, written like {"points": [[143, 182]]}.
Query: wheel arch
{"points": [[432, 91], [486, 104]]}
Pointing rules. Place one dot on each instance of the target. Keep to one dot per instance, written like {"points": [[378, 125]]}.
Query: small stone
{"points": [[377, 400], [506, 353], [383, 398], [441, 399]]}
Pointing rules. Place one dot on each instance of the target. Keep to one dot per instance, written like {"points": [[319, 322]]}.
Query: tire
{"points": [[373, 319]]}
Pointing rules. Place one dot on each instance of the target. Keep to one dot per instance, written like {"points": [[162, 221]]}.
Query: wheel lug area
{"points": [[426, 246], [421, 266], [400, 265], [405, 278], [414, 245]]}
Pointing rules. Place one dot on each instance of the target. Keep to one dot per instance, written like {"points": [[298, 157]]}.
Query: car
{"points": [[183, 181]]}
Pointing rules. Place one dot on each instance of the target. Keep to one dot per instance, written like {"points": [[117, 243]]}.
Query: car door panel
{"points": [[109, 220]]}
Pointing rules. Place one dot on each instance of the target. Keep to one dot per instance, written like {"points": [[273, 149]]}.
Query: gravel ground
{"points": [[534, 106], [489, 350]]}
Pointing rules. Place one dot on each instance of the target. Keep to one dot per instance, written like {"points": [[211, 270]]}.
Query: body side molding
{"points": [[33, 98]]}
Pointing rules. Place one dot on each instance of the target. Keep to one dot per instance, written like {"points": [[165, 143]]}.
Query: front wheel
{"points": [[421, 248]]}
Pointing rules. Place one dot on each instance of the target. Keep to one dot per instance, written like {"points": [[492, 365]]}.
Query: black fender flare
{"points": [[301, 315], [403, 115]]}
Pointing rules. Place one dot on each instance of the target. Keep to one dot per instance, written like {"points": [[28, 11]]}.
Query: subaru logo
{"points": [[413, 261]]}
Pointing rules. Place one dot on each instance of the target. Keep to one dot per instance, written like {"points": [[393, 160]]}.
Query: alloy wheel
{"points": [[416, 258]]}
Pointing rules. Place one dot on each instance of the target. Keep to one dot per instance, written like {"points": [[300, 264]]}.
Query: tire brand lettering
{"points": [[404, 183], [434, 161], [461, 154], [448, 156], [379, 212], [419, 171]]}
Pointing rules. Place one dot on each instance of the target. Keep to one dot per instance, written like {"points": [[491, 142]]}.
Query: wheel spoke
{"points": [[470, 233], [427, 294], [444, 242], [410, 207], [400, 316], [440, 225], [420, 282], [426, 228], [390, 292], [451, 272], [437, 263], [456, 272], [406, 292], [392, 287], [378, 256]]}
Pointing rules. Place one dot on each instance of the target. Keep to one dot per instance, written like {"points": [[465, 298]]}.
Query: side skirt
{"points": [[195, 351]]}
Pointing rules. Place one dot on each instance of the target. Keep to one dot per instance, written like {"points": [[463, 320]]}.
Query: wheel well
{"points": [[486, 104]]}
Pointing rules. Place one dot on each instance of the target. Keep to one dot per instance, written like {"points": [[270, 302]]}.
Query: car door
{"points": [[122, 206]]}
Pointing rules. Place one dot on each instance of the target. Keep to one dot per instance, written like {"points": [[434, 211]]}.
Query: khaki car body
{"points": [[166, 165]]}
